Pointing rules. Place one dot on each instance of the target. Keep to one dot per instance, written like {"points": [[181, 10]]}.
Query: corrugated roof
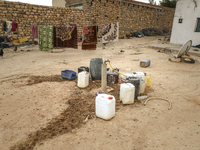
{"points": [[149, 4]]}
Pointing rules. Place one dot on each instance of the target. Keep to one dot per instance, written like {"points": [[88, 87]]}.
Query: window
{"points": [[198, 25], [80, 6]]}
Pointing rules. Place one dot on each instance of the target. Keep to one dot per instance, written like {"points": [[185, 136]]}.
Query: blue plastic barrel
{"points": [[95, 68], [68, 74]]}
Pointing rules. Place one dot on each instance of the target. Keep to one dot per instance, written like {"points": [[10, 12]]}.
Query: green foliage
{"points": [[168, 3], [153, 2]]}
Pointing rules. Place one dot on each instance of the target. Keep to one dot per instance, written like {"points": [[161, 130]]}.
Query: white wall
{"points": [[58, 3], [182, 32]]}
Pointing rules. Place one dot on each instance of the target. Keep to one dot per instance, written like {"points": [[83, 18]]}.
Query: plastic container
{"points": [[123, 78], [105, 106], [95, 68], [68, 74], [128, 70], [136, 82], [141, 75], [83, 79], [148, 81], [145, 63], [112, 78], [142, 86], [83, 68], [127, 93], [142, 97]]}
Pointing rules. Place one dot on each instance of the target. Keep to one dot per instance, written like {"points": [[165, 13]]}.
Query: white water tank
{"points": [[83, 79], [105, 106], [127, 93]]}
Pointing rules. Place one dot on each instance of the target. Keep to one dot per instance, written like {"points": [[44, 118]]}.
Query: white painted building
{"points": [[186, 24]]}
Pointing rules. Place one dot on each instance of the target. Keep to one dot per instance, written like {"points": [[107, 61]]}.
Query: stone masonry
{"points": [[132, 16], [26, 15]]}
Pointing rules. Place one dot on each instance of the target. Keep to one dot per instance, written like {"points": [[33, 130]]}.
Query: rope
{"points": [[170, 104]]}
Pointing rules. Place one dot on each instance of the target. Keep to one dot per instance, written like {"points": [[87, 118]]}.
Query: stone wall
{"points": [[26, 15], [132, 16]]}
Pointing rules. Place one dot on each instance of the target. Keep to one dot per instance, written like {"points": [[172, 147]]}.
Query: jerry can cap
{"points": [[110, 98]]}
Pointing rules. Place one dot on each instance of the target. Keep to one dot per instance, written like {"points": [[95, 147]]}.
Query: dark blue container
{"points": [[68, 74]]}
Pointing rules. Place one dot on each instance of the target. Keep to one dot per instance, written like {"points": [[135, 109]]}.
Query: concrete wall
{"points": [[58, 3], [182, 32]]}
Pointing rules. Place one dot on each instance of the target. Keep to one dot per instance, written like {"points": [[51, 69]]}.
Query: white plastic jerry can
{"points": [[83, 79], [127, 93], [105, 106]]}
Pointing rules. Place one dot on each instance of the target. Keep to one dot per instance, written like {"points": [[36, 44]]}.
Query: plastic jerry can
{"points": [[148, 81], [112, 78], [145, 63], [105, 106], [83, 79], [142, 86], [127, 93], [136, 82], [141, 75]]}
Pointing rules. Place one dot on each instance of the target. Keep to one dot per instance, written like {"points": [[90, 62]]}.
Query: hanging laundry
{"points": [[89, 38], [4, 26], [65, 37], [45, 37], [14, 26], [9, 26], [73, 25], [110, 32], [34, 31]]}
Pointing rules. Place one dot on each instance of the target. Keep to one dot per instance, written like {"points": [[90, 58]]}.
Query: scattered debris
{"points": [[15, 48], [136, 53], [137, 34], [109, 89], [86, 119], [1, 52], [135, 60], [57, 51], [142, 97]]}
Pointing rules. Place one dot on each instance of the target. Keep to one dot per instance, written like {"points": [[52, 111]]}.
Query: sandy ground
{"points": [[27, 105]]}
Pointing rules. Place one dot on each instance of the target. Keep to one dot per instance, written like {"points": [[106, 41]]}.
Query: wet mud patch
{"points": [[193, 100], [39, 79], [80, 104]]}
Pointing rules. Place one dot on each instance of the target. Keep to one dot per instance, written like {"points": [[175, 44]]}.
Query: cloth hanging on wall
{"points": [[4, 26], [89, 38], [45, 37], [110, 32], [34, 31], [9, 28], [65, 37], [14, 26]]}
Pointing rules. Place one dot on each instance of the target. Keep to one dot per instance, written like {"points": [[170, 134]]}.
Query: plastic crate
{"points": [[68, 74]]}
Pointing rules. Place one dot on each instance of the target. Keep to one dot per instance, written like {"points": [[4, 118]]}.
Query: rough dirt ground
{"points": [[39, 110]]}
